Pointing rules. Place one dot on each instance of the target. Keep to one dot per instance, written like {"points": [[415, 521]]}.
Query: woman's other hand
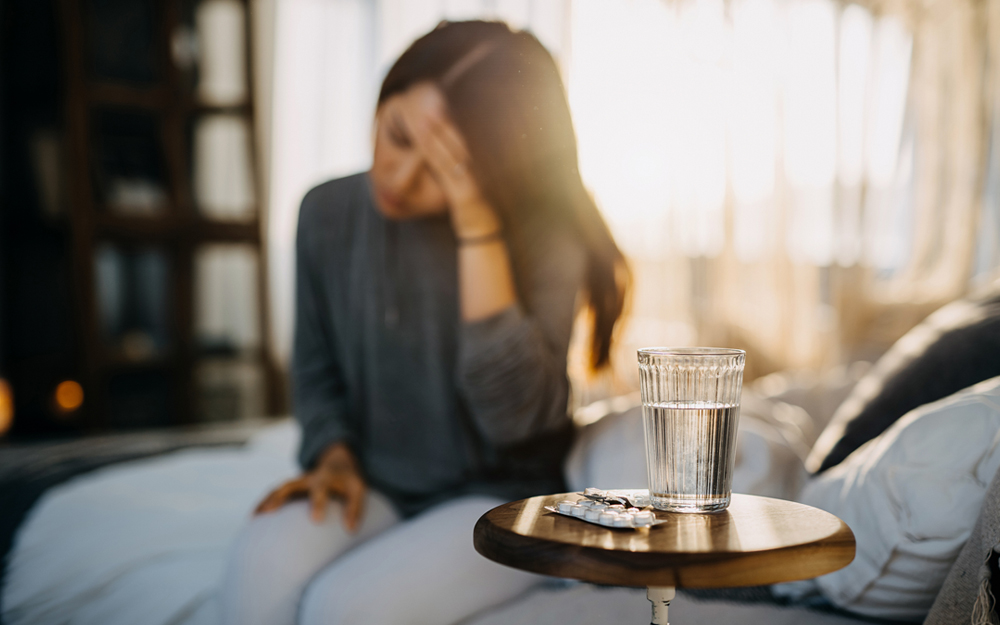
{"points": [[336, 476], [447, 156]]}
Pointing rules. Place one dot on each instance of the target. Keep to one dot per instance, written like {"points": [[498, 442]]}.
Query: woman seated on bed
{"points": [[435, 299]]}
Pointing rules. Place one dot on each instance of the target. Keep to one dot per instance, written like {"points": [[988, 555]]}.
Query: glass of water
{"points": [[690, 410]]}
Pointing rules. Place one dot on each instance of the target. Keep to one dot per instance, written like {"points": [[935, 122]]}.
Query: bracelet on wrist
{"points": [[481, 239]]}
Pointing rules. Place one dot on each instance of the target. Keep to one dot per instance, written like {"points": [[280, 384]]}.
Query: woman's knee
{"points": [[423, 571], [290, 538], [277, 554]]}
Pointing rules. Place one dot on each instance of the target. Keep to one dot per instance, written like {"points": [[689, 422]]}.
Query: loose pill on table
{"points": [[566, 506]]}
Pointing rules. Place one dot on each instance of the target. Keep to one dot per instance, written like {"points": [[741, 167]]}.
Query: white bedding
{"points": [[145, 542], [142, 542]]}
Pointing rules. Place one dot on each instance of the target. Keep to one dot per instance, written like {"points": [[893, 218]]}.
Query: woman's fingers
{"points": [[451, 139], [436, 136], [452, 172], [319, 497], [279, 496], [354, 503], [443, 145]]}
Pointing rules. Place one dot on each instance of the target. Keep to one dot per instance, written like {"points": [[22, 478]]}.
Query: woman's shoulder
{"points": [[330, 203]]}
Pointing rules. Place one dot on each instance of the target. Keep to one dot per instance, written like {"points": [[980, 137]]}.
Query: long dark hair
{"points": [[505, 95]]}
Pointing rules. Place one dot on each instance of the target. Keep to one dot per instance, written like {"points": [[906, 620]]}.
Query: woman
{"points": [[435, 300]]}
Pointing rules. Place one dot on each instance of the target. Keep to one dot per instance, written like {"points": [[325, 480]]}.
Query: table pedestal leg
{"points": [[660, 597]]}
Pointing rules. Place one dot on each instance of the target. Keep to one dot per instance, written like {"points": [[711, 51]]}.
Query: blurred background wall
{"points": [[805, 179]]}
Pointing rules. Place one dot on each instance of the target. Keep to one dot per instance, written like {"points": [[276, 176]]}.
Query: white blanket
{"points": [[142, 542]]}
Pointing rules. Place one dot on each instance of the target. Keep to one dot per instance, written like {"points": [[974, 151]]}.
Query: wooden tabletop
{"points": [[757, 540]]}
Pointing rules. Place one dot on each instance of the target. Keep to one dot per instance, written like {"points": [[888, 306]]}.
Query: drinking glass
{"points": [[690, 409]]}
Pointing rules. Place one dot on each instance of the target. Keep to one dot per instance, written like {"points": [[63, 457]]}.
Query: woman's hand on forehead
{"points": [[444, 150]]}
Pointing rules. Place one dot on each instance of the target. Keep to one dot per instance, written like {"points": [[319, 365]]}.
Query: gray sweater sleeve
{"points": [[317, 380], [512, 366]]}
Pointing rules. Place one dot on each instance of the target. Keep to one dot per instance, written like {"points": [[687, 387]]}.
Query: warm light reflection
{"points": [[526, 518], [68, 396], [6, 407]]}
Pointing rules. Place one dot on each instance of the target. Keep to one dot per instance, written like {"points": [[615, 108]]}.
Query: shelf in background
{"points": [[169, 227]]}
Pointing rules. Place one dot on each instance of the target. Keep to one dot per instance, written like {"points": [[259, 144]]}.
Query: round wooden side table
{"points": [[756, 541]]}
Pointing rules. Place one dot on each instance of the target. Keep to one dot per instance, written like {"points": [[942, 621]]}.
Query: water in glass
{"points": [[689, 454]]}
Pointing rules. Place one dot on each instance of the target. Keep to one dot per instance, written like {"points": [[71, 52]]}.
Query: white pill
{"points": [[617, 508], [579, 510], [593, 515], [596, 505], [643, 518], [607, 518], [623, 520], [566, 506]]}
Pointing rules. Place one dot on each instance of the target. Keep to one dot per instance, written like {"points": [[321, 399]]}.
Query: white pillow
{"points": [[912, 497]]}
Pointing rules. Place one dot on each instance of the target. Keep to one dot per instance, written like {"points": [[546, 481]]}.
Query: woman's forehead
{"points": [[421, 97]]}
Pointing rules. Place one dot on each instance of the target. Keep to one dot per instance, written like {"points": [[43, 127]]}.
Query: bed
{"points": [[136, 528]]}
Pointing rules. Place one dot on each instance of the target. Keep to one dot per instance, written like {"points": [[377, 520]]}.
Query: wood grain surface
{"points": [[757, 540]]}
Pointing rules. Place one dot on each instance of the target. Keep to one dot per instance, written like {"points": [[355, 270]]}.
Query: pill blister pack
{"points": [[618, 509]]}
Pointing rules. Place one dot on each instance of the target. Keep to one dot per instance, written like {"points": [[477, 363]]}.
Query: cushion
{"points": [[954, 348], [912, 497]]}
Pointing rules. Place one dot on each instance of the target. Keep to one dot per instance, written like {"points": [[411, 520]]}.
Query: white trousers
{"points": [[287, 570]]}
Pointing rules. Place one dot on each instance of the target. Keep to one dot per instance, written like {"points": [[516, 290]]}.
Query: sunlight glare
{"points": [[619, 88], [852, 88], [810, 116], [753, 122]]}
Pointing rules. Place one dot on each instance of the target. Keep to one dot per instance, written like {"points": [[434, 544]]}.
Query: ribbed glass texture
{"points": [[691, 409]]}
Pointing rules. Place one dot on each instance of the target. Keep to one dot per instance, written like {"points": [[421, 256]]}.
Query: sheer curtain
{"points": [[802, 178]]}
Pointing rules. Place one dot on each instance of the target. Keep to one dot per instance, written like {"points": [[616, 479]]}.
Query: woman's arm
{"points": [[317, 381], [512, 365], [330, 468], [485, 280], [512, 360]]}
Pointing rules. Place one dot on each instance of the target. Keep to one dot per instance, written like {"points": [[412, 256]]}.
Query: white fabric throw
{"points": [[144, 542]]}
